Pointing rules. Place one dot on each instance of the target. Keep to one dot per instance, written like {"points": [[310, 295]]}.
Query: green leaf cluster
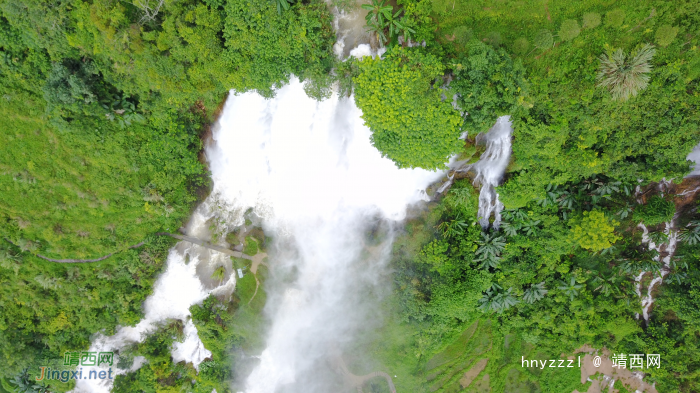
{"points": [[401, 103]]}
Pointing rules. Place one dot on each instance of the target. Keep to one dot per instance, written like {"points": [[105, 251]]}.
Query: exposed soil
{"points": [[473, 372]]}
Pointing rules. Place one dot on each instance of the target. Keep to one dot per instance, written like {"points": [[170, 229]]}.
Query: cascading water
{"points": [[490, 168], [309, 170], [310, 173]]}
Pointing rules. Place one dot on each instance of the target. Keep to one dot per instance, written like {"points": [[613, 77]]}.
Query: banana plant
{"points": [[378, 30], [377, 11], [283, 5]]}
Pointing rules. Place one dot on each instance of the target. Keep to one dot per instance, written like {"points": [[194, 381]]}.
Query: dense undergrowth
{"points": [[102, 110]]}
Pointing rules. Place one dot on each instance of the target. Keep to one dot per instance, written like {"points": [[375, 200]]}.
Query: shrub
{"points": [[569, 30], [410, 123], [251, 246], [463, 35], [594, 231], [625, 77], [615, 18], [494, 38], [488, 84], [544, 39], [521, 46], [591, 20], [656, 211], [665, 34]]}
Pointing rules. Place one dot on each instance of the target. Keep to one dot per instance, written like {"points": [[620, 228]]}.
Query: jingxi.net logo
{"points": [[85, 359]]}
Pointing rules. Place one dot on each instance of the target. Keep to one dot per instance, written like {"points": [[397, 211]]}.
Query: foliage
{"points": [[615, 18], [657, 210], [410, 124], [463, 35], [625, 77], [535, 293], [283, 5], [591, 20], [489, 84], [569, 30], [251, 246], [496, 300], [544, 39], [665, 35], [521, 46], [51, 308], [594, 231]]}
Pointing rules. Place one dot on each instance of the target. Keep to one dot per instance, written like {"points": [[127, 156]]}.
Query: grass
{"points": [[88, 188]]}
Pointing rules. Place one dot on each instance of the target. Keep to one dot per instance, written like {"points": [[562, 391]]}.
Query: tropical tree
{"points": [[625, 76], [497, 301], [691, 233], [378, 11], [377, 28], [571, 288], [453, 228], [490, 248], [535, 293]]}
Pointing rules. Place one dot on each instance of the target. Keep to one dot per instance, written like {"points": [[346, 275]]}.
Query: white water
{"points": [[310, 172], [178, 288], [490, 168]]}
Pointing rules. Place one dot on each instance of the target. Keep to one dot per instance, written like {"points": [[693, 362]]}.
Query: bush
{"points": [[494, 38], [591, 20], [521, 46], [463, 35], [656, 211], [251, 246], [544, 39], [569, 30], [615, 18], [489, 84], [410, 123], [594, 231], [665, 34]]}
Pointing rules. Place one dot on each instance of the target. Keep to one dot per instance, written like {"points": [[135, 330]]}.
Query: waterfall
{"points": [[309, 171], [490, 168]]}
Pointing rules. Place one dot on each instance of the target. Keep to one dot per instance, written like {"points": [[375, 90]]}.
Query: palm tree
{"points": [[625, 76], [219, 274], [490, 245], [571, 289], [535, 293], [690, 234], [497, 301]]}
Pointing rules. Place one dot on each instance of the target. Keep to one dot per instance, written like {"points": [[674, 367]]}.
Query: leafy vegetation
{"points": [[410, 124]]}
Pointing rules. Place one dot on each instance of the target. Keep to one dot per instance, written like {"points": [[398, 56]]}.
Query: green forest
{"points": [[106, 106]]}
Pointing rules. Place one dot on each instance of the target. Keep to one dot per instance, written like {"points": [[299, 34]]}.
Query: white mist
{"points": [[309, 170]]}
